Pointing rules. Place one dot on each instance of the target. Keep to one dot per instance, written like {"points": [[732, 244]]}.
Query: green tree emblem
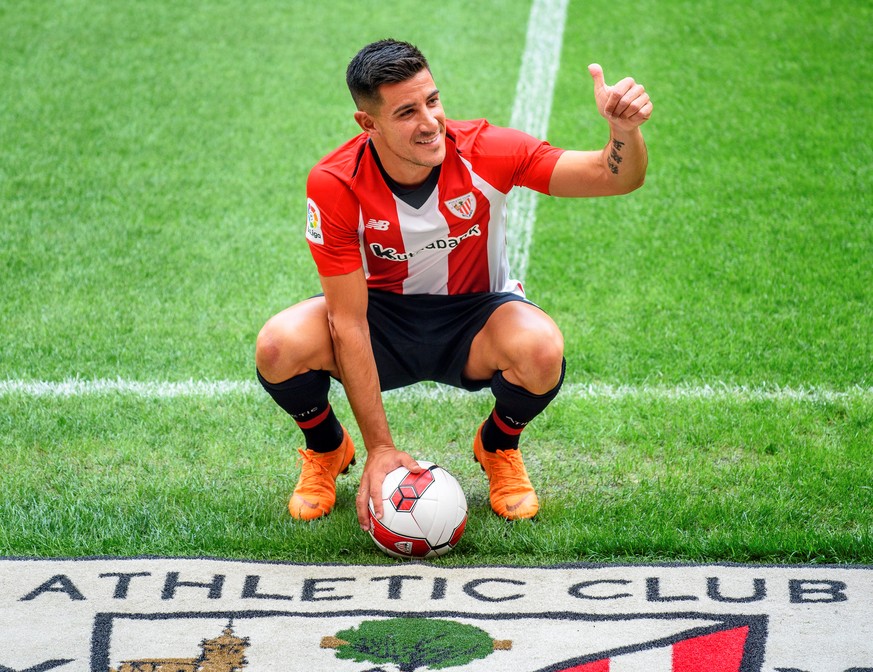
{"points": [[415, 643]]}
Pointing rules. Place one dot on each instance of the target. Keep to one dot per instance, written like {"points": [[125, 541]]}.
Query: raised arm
{"points": [[346, 298], [620, 167]]}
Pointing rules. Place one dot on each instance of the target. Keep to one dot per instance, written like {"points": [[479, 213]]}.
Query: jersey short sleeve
{"points": [[332, 224], [507, 157]]}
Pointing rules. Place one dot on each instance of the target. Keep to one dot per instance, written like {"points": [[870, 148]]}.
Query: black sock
{"points": [[514, 408], [304, 398]]}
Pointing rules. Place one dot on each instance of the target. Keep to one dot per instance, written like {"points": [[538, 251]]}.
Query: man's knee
{"points": [[548, 347], [539, 357], [269, 350], [295, 341], [547, 355]]}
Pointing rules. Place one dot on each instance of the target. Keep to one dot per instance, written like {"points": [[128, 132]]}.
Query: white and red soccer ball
{"points": [[424, 514]]}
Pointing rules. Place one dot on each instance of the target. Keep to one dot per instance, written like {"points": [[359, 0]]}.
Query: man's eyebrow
{"points": [[408, 106]]}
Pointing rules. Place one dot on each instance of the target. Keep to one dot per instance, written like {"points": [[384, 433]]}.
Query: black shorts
{"points": [[418, 337]]}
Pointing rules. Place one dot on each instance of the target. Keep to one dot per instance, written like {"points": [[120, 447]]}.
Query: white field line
{"points": [[530, 113], [431, 391]]}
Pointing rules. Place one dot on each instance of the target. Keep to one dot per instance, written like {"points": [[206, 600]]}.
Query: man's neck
{"points": [[415, 195], [406, 174]]}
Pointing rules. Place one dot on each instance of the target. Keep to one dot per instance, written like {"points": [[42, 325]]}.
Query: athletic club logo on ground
{"points": [[210, 615], [469, 642]]}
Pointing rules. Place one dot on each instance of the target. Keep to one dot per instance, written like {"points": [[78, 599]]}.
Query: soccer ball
{"points": [[424, 514]]}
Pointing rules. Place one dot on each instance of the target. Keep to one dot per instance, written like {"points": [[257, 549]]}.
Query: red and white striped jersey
{"points": [[454, 242]]}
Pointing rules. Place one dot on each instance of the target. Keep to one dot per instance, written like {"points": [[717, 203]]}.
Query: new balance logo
{"points": [[378, 224]]}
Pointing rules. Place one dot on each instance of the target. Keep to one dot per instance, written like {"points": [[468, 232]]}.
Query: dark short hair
{"points": [[382, 62]]}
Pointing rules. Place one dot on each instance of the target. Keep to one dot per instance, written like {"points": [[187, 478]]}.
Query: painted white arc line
{"points": [[530, 113]]}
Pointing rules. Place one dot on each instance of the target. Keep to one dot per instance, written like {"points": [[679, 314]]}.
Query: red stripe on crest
{"points": [[718, 652]]}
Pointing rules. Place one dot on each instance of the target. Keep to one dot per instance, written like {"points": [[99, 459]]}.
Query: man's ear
{"points": [[366, 122]]}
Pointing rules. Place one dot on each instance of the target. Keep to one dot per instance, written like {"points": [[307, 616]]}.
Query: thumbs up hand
{"points": [[625, 105]]}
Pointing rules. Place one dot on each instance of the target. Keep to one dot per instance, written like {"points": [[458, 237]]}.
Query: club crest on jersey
{"points": [[313, 223], [464, 206]]}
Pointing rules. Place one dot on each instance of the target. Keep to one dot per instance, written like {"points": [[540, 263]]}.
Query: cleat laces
{"points": [[315, 473]]}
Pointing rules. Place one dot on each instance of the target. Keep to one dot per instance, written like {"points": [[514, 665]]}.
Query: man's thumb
{"points": [[597, 75]]}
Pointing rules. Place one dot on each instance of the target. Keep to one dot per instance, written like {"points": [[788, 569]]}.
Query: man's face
{"points": [[408, 128]]}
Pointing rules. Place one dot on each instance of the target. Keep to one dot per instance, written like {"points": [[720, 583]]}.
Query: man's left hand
{"points": [[380, 462], [625, 105]]}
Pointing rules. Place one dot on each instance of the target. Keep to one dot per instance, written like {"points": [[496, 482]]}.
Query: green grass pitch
{"points": [[152, 167]]}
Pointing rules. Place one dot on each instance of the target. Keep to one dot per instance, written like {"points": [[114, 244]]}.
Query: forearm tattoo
{"points": [[615, 156]]}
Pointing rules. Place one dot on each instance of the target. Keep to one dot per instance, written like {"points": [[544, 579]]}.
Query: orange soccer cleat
{"points": [[512, 494], [315, 493]]}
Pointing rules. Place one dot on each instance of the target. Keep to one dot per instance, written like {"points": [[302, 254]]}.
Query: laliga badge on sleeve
{"points": [[313, 223]]}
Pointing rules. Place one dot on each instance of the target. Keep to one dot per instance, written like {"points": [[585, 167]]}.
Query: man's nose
{"points": [[429, 121]]}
